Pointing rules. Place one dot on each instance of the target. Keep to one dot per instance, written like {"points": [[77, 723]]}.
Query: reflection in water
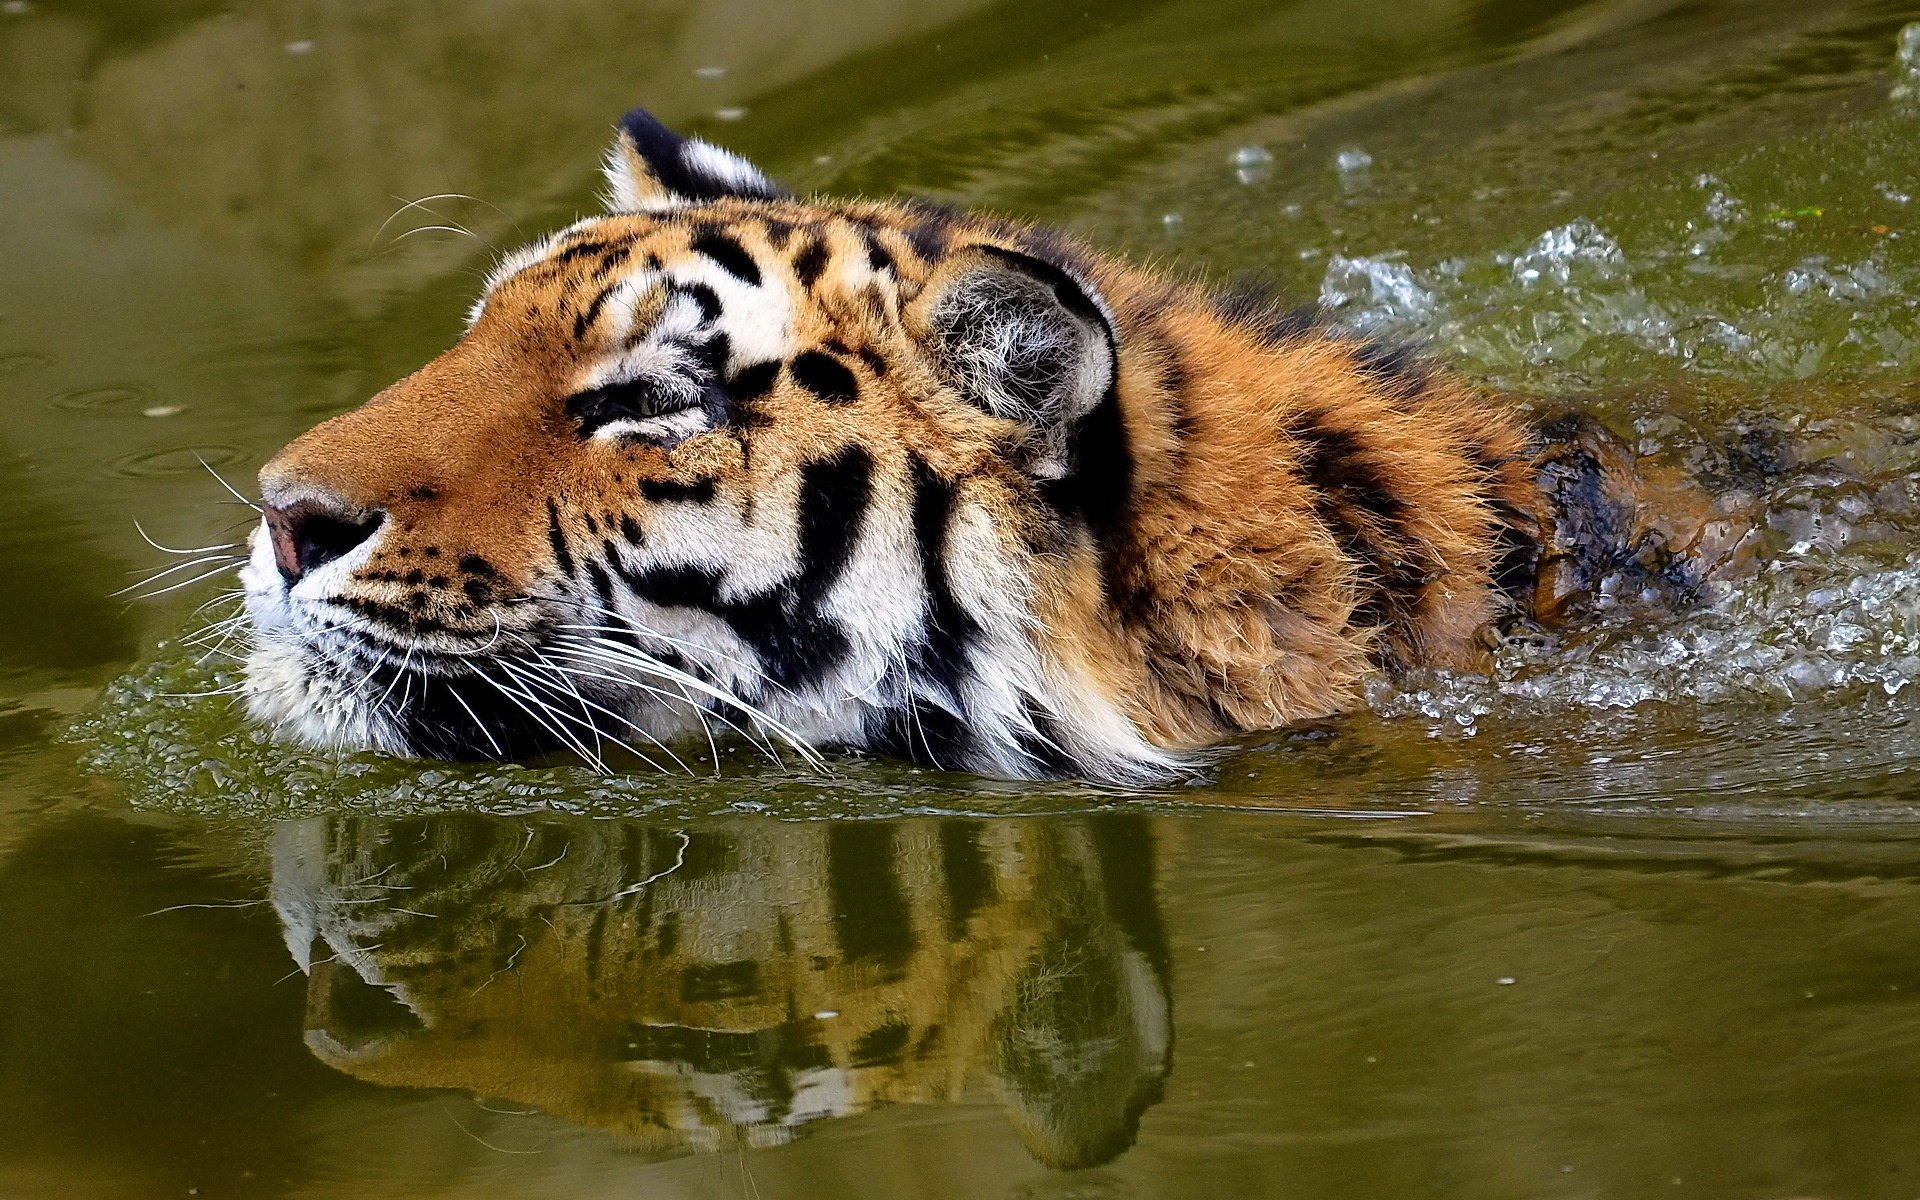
{"points": [[725, 986]]}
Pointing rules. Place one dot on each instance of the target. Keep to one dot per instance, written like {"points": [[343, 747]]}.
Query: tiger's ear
{"points": [[1023, 339], [651, 167]]}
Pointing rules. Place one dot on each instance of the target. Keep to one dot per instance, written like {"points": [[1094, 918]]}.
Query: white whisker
{"points": [[173, 550], [219, 570], [235, 492], [175, 569]]}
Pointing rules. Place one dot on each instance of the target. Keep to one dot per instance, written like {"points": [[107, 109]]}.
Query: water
{"points": [[1634, 914]]}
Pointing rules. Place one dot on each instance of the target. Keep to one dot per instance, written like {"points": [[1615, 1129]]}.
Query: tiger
{"points": [[892, 477], [734, 985]]}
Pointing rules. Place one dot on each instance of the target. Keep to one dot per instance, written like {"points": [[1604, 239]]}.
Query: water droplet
{"points": [[1506, 981], [300, 47], [1352, 160], [1251, 164], [729, 114], [709, 72]]}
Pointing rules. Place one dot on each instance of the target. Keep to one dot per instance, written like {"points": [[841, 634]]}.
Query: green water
{"points": [[1639, 915]]}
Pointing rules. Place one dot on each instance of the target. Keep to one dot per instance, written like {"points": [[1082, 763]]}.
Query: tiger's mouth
{"points": [[552, 677]]}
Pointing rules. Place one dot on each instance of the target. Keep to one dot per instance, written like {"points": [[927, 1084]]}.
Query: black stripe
{"points": [[704, 297], [591, 313], [1395, 367], [726, 250], [811, 262], [1100, 482], [826, 377], [877, 256], [949, 630], [1357, 505], [1333, 460], [602, 585], [1252, 304], [668, 491], [835, 494], [929, 239], [558, 540], [796, 641], [1044, 744], [582, 249]]}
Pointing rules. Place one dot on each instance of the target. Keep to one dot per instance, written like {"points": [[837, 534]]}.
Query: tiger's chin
{"points": [[284, 691]]}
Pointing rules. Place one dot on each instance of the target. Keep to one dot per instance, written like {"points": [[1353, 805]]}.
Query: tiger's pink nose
{"points": [[311, 533]]}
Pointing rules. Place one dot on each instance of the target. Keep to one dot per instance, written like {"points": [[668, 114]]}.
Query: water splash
{"points": [[1574, 301]]}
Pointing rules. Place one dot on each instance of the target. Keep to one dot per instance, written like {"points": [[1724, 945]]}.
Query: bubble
{"points": [[729, 114], [1352, 161], [300, 47], [1251, 164], [709, 72], [1907, 56]]}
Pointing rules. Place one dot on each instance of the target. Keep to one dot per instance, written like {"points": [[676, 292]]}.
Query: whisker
{"points": [[139, 529], [626, 656], [457, 229], [235, 492], [586, 704], [461, 701], [421, 204], [219, 570], [175, 569], [524, 699], [563, 674], [680, 697]]}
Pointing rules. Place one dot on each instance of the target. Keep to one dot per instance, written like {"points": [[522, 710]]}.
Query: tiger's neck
{"points": [[1300, 510]]}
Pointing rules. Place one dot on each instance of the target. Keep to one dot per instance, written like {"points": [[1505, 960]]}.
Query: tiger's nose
{"points": [[310, 533]]}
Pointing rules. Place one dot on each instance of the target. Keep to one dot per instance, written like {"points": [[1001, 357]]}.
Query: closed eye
{"points": [[664, 410]]}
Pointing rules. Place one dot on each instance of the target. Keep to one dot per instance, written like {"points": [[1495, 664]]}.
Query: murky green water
{"points": [[1638, 916]]}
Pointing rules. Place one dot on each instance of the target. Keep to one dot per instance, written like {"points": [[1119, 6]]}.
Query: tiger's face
{"points": [[720, 459]]}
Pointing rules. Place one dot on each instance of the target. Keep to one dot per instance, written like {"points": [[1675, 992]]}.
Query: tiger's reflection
{"points": [[730, 984]]}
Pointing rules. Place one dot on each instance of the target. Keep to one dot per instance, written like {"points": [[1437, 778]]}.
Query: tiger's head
{"points": [[834, 473]]}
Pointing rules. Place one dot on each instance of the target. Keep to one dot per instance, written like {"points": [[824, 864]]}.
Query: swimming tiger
{"points": [[733, 984], [889, 476]]}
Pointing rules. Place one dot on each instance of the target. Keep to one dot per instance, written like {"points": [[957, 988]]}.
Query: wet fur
{"points": [[949, 486]]}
